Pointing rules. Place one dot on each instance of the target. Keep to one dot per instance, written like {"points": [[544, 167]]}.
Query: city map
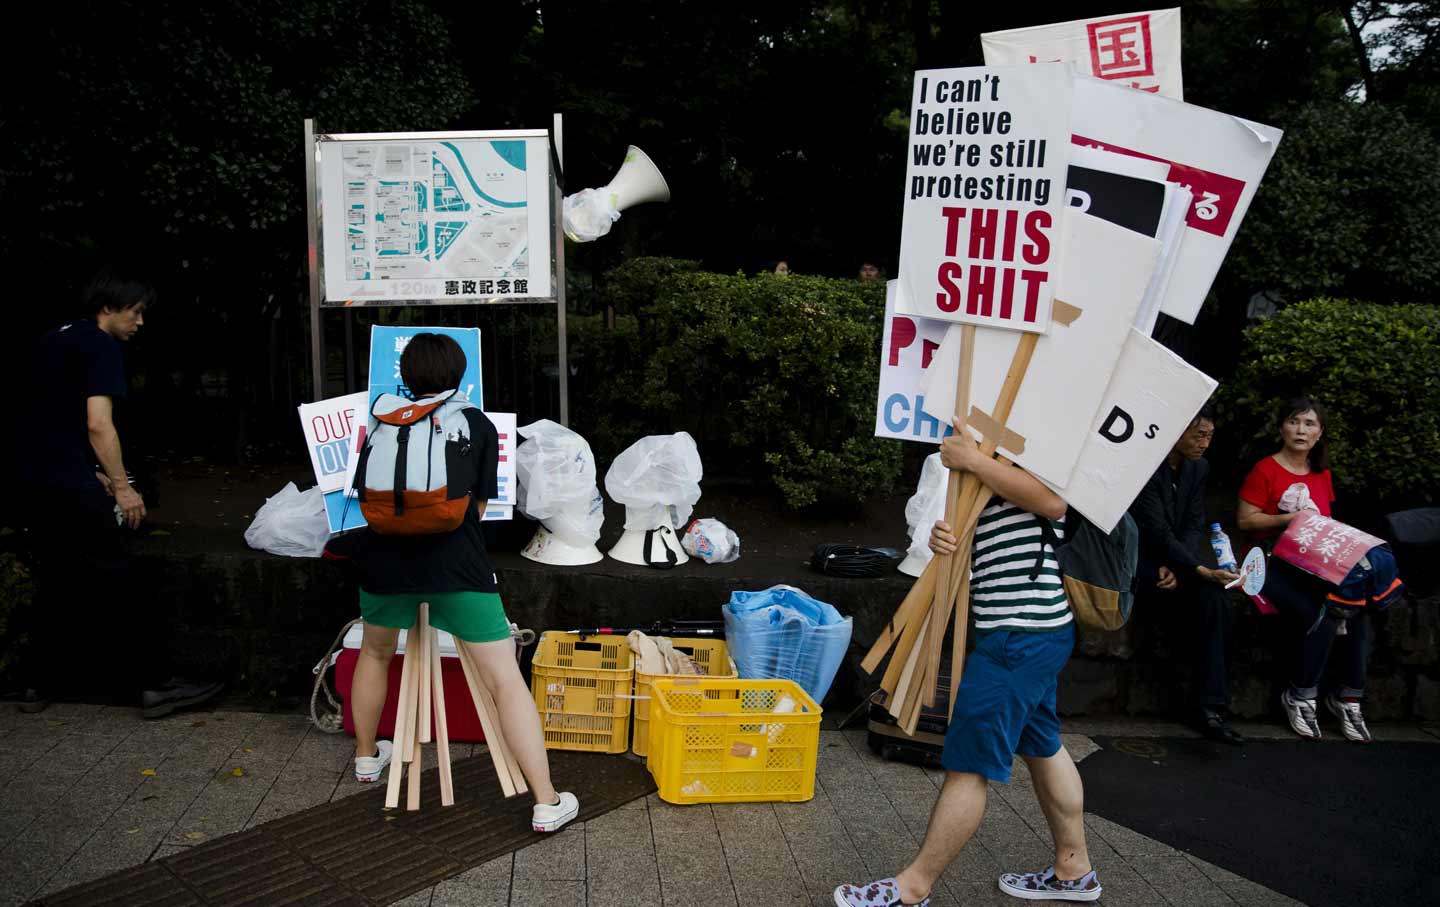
{"points": [[431, 219]]}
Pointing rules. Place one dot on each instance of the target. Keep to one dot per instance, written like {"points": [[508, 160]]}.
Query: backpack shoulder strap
{"points": [[1048, 539]]}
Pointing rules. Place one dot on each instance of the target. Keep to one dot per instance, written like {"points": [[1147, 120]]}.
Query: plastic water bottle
{"points": [[1220, 544]]}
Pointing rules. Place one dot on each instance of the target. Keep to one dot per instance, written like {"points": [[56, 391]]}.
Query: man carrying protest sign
{"points": [[81, 503], [1175, 576], [1006, 703]]}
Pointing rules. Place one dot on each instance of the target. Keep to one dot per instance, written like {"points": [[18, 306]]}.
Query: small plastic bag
{"points": [[925, 507], [556, 474], [711, 541], [588, 215], [291, 523], [658, 480]]}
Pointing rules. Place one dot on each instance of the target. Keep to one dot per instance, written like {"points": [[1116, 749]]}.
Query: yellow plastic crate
{"points": [[720, 740], [581, 688], [711, 657]]}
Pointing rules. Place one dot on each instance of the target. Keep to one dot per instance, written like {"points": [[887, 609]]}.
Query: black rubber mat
{"points": [[1328, 823], [354, 852]]}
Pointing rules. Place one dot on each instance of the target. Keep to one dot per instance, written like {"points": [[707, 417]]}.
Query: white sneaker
{"points": [[1301, 713], [369, 768], [1352, 721], [552, 817]]}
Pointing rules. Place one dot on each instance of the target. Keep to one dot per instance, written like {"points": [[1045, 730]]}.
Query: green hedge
{"points": [[1377, 369], [775, 377]]}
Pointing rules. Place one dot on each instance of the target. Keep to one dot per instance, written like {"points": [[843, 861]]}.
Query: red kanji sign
{"points": [[1324, 547], [1120, 48]]}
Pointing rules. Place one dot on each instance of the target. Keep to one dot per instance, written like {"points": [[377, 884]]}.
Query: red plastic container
{"points": [[461, 719]]}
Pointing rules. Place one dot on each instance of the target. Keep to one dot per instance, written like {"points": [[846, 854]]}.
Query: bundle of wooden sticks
{"points": [[422, 691], [916, 632]]}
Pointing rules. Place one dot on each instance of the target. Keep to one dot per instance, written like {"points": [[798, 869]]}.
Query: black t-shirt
{"points": [[444, 562], [71, 364]]}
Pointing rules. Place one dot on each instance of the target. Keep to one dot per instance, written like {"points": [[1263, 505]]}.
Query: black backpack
{"points": [[1098, 568]]}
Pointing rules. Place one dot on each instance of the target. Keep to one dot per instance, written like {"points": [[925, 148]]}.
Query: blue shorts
{"points": [[1006, 703]]}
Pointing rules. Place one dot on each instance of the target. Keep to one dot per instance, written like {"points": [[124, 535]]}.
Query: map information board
{"points": [[439, 218]]}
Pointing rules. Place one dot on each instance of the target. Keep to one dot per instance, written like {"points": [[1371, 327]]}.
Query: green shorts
{"points": [[471, 616]]}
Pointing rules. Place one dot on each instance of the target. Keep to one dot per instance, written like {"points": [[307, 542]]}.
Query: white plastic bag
{"points": [[711, 541], [556, 474], [588, 215], [291, 523], [925, 507], [658, 480]]}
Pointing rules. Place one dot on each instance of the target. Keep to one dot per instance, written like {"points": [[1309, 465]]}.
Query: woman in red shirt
{"points": [[1290, 481]]}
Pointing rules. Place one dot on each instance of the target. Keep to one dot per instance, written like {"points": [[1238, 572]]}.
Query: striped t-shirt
{"points": [[1008, 542]]}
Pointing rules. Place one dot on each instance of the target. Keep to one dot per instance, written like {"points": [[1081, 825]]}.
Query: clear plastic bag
{"points": [[556, 474], [782, 632], [291, 523], [711, 541], [925, 507], [658, 480], [588, 215]]}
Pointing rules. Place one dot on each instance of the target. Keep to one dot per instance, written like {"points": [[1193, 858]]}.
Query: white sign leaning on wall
{"points": [[1136, 50], [984, 187], [1152, 397]]}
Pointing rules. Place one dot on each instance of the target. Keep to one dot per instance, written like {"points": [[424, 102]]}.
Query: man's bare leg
{"points": [[953, 821], [1062, 798]]}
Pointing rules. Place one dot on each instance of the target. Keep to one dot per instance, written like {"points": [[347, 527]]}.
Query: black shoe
{"points": [[177, 694], [33, 702], [1215, 727]]}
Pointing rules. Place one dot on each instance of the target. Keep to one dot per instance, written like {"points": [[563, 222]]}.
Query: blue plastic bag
{"points": [[781, 632]]}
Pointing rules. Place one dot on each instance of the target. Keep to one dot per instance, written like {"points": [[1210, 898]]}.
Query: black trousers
{"points": [[92, 633], [1195, 619]]}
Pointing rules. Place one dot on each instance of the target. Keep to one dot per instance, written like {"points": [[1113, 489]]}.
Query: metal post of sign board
{"points": [[562, 361], [314, 222], [317, 340]]}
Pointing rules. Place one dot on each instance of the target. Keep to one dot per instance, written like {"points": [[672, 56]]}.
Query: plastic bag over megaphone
{"points": [[590, 213], [556, 474], [925, 506], [658, 480]]}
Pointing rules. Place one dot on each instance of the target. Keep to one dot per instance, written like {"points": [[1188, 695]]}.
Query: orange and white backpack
{"points": [[418, 464]]}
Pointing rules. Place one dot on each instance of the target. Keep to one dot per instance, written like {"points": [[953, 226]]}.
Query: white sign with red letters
{"points": [[984, 187], [1136, 50], [1219, 158]]}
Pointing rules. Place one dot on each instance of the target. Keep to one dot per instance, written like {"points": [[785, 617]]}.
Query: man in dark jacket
{"points": [[1176, 574]]}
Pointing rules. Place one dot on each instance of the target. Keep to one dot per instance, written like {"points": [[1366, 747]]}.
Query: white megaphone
{"points": [[590, 213]]}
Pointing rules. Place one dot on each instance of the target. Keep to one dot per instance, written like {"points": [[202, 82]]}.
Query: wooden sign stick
{"points": [[423, 735], [416, 652], [516, 776], [487, 723], [944, 590], [442, 727], [920, 594], [899, 699], [404, 736]]}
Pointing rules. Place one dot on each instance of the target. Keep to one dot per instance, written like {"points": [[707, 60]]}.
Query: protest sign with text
{"points": [[907, 349], [330, 427], [984, 185], [387, 343], [1219, 158], [1101, 282], [1324, 547], [1137, 50], [1152, 397]]}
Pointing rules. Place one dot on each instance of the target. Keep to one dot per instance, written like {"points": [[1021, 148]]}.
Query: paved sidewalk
{"points": [[92, 790]]}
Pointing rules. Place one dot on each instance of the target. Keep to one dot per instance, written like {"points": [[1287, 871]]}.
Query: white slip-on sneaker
{"points": [[1352, 720], [551, 817], [1301, 713], [369, 768]]}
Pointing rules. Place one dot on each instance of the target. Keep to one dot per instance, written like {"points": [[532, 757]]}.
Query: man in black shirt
{"points": [[80, 505], [1176, 575]]}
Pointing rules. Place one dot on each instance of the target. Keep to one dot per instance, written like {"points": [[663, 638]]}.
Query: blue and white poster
{"points": [[387, 343]]}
